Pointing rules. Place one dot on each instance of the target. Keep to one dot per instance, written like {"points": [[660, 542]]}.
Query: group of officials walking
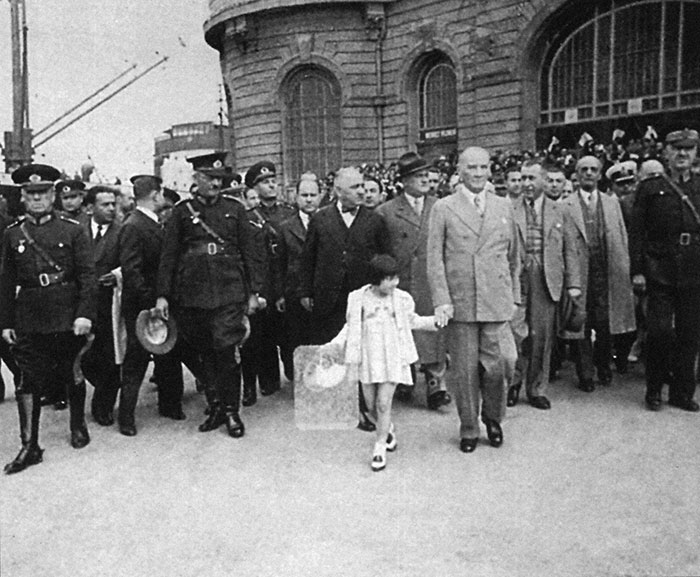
{"points": [[505, 278]]}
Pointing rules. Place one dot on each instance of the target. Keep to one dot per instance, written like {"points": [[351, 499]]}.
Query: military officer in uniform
{"points": [[259, 355], [72, 196], [665, 261], [211, 271], [47, 307]]}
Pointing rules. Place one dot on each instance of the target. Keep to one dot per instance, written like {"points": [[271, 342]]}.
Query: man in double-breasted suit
{"points": [[601, 245], [341, 240], [99, 364], [549, 265], [406, 218], [473, 270]]}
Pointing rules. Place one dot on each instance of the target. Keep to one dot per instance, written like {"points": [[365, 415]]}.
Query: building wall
{"points": [[263, 41]]}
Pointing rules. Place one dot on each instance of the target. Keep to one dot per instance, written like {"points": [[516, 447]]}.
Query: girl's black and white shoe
{"points": [[379, 457], [391, 443]]}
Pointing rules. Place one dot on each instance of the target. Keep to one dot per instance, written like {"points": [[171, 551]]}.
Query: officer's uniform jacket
{"points": [[664, 235], [198, 271], [34, 297], [267, 220]]}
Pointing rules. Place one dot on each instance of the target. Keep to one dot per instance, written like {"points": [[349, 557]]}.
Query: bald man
{"points": [[601, 243], [473, 271]]}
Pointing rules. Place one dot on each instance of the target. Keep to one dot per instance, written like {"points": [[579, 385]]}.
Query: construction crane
{"points": [[21, 142]]}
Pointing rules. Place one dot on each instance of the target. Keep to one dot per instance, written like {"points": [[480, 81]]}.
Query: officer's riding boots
{"points": [[29, 408], [79, 436]]}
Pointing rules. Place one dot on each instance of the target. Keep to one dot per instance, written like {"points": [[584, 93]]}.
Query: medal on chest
{"points": [[22, 247]]}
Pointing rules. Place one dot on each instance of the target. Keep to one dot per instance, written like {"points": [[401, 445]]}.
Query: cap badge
{"points": [[264, 170], [34, 178], [66, 189], [217, 164]]}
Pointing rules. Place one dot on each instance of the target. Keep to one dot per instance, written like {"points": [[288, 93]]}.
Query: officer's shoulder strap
{"points": [[230, 197], [68, 219], [17, 222]]}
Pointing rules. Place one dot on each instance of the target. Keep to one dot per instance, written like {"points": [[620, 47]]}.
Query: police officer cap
{"points": [[411, 162], [171, 195], [69, 185], [259, 171], [134, 178], [36, 176], [622, 172], [212, 164], [685, 138], [232, 180]]}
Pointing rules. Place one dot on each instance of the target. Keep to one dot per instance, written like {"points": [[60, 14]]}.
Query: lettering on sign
{"points": [[433, 134]]}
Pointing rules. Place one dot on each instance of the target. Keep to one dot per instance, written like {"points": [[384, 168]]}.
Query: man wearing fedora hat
{"points": [[406, 218], [211, 271], [47, 307], [665, 249]]}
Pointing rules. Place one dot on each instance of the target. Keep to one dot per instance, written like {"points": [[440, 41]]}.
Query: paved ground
{"points": [[597, 486]]}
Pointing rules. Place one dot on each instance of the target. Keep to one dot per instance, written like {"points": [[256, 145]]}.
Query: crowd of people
{"points": [[480, 273]]}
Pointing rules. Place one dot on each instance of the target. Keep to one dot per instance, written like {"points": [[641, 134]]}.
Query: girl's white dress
{"points": [[381, 361]]}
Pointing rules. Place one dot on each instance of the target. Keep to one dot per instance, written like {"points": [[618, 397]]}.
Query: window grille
{"points": [[312, 123], [628, 57]]}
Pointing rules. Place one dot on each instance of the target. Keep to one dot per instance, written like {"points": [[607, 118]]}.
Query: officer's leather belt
{"points": [[47, 279], [209, 248]]}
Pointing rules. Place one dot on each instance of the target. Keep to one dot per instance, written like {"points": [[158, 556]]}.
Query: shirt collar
{"points": [[304, 218], [148, 212]]}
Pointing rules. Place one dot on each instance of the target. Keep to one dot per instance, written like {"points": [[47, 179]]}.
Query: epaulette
{"points": [[183, 201], [17, 222], [68, 219]]}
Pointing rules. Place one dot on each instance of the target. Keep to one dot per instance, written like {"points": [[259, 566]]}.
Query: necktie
{"points": [[531, 208], [99, 234], [352, 211], [478, 203], [418, 206]]}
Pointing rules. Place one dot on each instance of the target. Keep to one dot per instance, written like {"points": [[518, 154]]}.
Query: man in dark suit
{"points": [[406, 218], [99, 363], [341, 240], [292, 236], [140, 244], [549, 265]]}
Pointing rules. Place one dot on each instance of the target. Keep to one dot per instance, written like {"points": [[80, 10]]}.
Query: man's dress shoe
{"points": [[586, 386], [653, 402], [103, 419], [235, 426], [176, 414], [439, 399], [540, 403], [494, 433], [214, 420], [127, 429], [29, 455], [513, 395], [685, 404], [468, 445]]}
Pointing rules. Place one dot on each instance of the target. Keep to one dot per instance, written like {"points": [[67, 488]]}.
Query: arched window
{"points": [[623, 58], [312, 122], [437, 105]]}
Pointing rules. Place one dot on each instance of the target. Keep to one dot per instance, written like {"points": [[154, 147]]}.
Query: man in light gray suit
{"points": [[473, 270]]}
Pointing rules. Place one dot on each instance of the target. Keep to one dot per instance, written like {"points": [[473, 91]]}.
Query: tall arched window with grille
{"points": [[620, 58], [437, 106], [312, 122]]}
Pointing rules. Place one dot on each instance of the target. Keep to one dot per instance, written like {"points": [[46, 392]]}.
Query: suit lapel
{"points": [[521, 219], [466, 211], [549, 211], [489, 220], [405, 211], [296, 228], [577, 215]]}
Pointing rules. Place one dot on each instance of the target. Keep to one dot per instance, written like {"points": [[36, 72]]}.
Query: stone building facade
{"points": [[316, 85]]}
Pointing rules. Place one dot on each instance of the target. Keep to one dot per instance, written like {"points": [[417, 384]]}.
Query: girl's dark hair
{"points": [[382, 266]]}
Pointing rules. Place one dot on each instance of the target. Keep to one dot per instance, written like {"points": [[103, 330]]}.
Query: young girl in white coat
{"points": [[376, 345]]}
